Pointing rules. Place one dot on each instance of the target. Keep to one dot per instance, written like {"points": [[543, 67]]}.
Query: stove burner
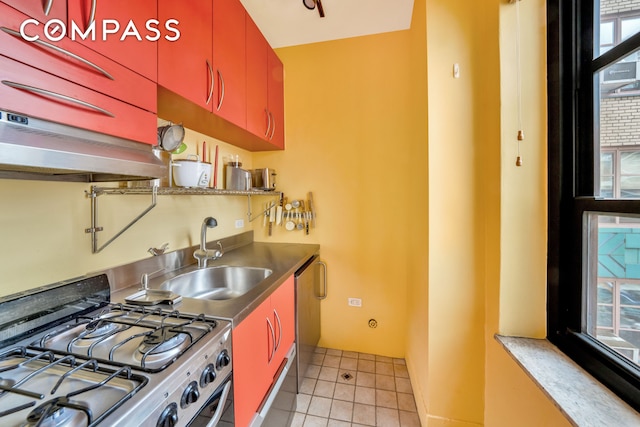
{"points": [[59, 412], [162, 340], [99, 329]]}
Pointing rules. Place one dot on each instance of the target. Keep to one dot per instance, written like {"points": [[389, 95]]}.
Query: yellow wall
{"points": [[456, 286], [42, 238], [487, 242], [516, 296], [524, 189], [355, 138]]}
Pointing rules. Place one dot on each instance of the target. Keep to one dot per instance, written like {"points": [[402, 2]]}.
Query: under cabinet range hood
{"points": [[32, 148]]}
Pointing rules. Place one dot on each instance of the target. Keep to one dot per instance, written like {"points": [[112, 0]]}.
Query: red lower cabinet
{"points": [[260, 343]]}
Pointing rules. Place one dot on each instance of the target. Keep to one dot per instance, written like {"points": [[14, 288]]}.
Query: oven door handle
{"points": [[223, 398]]}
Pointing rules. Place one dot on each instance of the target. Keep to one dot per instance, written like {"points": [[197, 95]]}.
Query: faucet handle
{"points": [[144, 279], [220, 251]]}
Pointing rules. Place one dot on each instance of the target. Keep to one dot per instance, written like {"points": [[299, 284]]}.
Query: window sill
{"points": [[580, 398]]}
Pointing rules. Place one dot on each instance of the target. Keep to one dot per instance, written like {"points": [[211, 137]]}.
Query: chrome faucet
{"points": [[203, 254]]}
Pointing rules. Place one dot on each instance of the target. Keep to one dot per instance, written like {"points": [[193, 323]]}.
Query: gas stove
{"points": [[68, 357]]}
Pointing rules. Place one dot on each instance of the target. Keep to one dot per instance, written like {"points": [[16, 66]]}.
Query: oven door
{"points": [[217, 411]]}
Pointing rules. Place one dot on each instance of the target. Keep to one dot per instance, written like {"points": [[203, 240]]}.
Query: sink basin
{"points": [[216, 283]]}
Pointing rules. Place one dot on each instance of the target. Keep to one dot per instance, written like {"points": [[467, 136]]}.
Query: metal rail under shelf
{"points": [[155, 192]]}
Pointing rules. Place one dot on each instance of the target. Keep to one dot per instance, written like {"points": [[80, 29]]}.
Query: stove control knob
{"points": [[208, 375], [169, 417], [223, 360], [190, 395]]}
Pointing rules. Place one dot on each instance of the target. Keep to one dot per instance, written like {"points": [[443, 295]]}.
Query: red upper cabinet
{"points": [[123, 29], [275, 91], [229, 62], [73, 62], [185, 65], [265, 88], [258, 119], [67, 82], [28, 90], [221, 64], [42, 10]]}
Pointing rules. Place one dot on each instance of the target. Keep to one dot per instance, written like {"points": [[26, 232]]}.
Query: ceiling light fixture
{"points": [[311, 4]]}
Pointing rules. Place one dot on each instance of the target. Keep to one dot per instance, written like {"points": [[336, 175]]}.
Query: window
{"points": [[623, 77], [619, 171], [594, 188]]}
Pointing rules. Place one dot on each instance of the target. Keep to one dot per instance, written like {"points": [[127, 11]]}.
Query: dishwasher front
{"points": [[311, 289]]}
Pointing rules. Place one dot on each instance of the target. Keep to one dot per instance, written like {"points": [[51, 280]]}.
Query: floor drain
{"points": [[347, 376]]}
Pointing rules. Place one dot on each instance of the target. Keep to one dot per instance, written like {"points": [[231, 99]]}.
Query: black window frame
{"points": [[573, 155]]}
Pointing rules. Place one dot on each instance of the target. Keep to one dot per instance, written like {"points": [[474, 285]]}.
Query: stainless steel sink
{"points": [[216, 283]]}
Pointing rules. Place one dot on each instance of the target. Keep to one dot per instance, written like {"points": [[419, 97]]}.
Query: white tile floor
{"points": [[348, 389]]}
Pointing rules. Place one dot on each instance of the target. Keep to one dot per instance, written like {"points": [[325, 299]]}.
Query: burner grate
{"points": [[145, 339], [46, 389]]}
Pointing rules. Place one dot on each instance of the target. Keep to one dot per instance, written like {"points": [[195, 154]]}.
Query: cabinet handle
{"points": [[324, 282], [221, 91], [211, 80], [92, 13], [277, 346], [57, 96], [273, 340], [266, 112], [58, 49], [47, 7], [273, 128]]}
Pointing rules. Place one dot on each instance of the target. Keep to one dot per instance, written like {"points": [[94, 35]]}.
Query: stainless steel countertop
{"points": [[283, 258]]}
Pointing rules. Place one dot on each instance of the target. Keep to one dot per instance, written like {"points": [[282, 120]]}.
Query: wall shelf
{"points": [[179, 191], [154, 192]]}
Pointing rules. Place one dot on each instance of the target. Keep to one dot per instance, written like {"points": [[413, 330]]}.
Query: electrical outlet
{"points": [[239, 223], [355, 302]]}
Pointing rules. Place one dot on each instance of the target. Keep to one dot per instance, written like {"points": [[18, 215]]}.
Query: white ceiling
{"points": [[289, 23]]}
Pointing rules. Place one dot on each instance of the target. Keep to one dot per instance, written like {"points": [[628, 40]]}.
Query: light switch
{"points": [[456, 71]]}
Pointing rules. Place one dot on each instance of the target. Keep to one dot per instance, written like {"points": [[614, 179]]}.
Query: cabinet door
{"points": [[185, 65], [229, 62], [252, 342], [275, 91], [258, 119], [123, 45], [73, 62], [29, 91], [283, 312], [42, 10]]}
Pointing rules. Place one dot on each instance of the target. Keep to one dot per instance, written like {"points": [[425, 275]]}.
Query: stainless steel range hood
{"points": [[32, 148]]}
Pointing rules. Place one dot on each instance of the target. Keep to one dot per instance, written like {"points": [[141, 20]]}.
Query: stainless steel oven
{"points": [[68, 357]]}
